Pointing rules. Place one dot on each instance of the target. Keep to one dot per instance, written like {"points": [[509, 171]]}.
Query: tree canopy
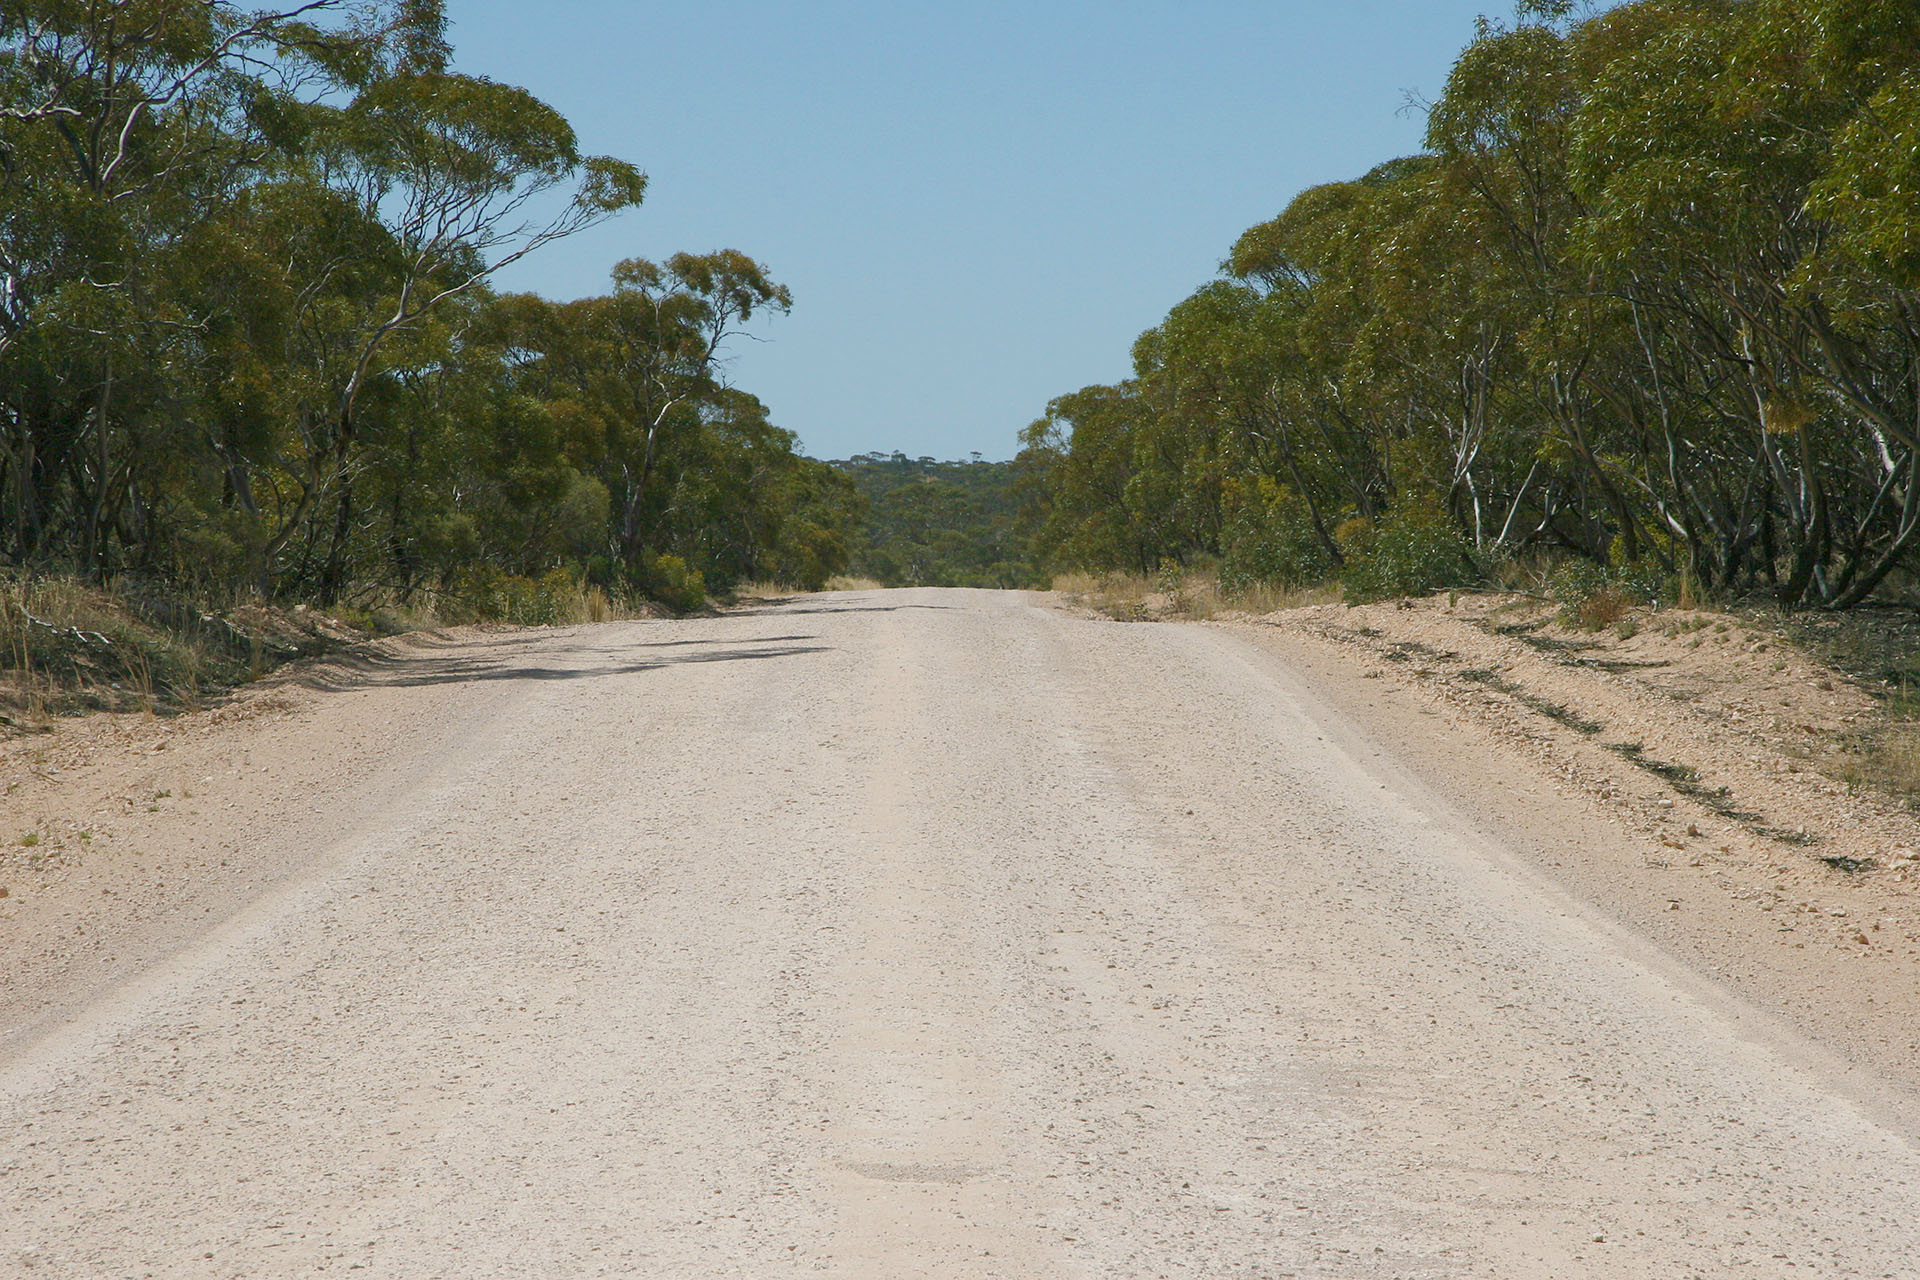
{"points": [[249, 337], [939, 524], [1651, 297]]}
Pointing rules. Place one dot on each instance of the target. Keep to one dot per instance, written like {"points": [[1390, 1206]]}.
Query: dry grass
{"points": [[386, 613], [1603, 608], [1892, 761], [763, 590], [1075, 584], [554, 599], [1135, 597], [1879, 650], [1119, 595], [1266, 597], [1886, 756], [67, 647], [767, 589]]}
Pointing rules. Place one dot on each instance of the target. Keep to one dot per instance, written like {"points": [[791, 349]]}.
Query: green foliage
{"points": [[1871, 191], [248, 342], [1649, 300], [1595, 595], [1270, 539], [1409, 551], [939, 524], [667, 578], [490, 593]]}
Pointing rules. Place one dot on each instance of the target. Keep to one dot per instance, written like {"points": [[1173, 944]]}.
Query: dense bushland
{"points": [[248, 343], [1650, 300], [939, 524]]}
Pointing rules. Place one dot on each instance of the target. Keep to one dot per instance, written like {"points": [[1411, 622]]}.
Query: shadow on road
{"points": [[402, 671], [778, 612]]}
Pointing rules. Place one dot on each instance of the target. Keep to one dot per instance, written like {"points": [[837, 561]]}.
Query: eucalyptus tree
{"points": [[454, 176], [1652, 297], [123, 123], [1776, 361], [691, 467], [1108, 506], [665, 326], [220, 230]]}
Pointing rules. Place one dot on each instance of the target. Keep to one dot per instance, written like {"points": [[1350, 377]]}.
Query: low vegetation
{"points": [[67, 646], [1137, 597], [1880, 651]]}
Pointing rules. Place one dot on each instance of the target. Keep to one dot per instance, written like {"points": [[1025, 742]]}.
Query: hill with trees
{"points": [[939, 524]]}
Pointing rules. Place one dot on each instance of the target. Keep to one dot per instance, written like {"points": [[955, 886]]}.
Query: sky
{"points": [[977, 206]]}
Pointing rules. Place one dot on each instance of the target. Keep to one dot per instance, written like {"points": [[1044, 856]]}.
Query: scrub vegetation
{"points": [[926, 523]]}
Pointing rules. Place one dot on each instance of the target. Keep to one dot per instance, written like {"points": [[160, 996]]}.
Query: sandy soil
{"points": [[913, 934], [1692, 748]]}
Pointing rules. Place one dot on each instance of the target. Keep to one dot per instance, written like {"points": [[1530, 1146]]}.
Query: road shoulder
{"points": [[1834, 955]]}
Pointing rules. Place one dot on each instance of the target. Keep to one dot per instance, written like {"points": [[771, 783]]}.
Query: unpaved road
{"points": [[892, 934]]}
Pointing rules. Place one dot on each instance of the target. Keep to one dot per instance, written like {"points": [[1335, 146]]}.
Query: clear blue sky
{"points": [[978, 206]]}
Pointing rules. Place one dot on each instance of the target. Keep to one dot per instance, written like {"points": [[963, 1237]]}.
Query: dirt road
{"points": [[887, 934]]}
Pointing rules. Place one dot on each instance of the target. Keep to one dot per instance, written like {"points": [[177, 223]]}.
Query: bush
{"points": [[668, 580], [1593, 595], [808, 554], [492, 594], [1269, 540], [213, 553], [1410, 551]]}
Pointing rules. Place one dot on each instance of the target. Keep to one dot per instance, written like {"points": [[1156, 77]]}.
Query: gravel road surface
{"points": [[904, 934]]}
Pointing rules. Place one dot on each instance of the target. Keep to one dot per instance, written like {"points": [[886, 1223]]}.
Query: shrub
{"points": [[555, 599], [492, 594], [1592, 595], [668, 580], [1269, 539], [1410, 551]]}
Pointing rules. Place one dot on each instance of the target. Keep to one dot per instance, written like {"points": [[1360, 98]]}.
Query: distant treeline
{"points": [[248, 343], [939, 524], [1650, 300]]}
